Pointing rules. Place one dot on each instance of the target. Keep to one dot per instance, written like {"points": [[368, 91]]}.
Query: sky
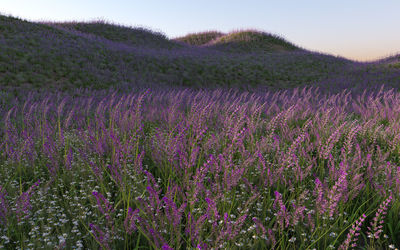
{"points": [[357, 29]]}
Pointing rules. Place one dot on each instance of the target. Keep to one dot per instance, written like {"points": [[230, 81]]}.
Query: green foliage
{"points": [[100, 55]]}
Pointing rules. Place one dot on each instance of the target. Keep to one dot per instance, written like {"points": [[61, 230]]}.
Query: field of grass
{"points": [[64, 56], [196, 168], [120, 138]]}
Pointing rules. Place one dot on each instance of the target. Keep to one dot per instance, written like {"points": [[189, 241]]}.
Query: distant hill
{"points": [[201, 38], [119, 33], [391, 62], [252, 41], [100, 55], [244, 41]]}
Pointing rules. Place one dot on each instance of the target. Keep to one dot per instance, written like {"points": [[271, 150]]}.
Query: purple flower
{"points": [[68, 159], [319, 192], [166, 247], [4, 206], [337, 192], [283, 217], [104, 206], [212, 212], [353, 234], [376, 224], [260, 227], [130, 220], [173, 214], [23, 203], [102, 238], [271, 236], [193, 227], [96, 170], [115, 170]]}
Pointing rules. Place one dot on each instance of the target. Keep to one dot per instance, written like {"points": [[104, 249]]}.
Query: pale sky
{"points": [[356, 29]]}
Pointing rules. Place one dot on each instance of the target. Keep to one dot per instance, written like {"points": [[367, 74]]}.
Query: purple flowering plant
{"points": [[157, 166]]}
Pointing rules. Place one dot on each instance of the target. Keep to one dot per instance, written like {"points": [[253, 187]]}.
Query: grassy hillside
{"points": [[252, 41], [100, 55], [244, 41], [390, 62], [118, 33], [151, 148], [201, 38], [42, 56]]}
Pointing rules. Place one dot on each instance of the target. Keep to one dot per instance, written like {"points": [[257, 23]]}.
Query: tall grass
{"points": [[181, 168]]}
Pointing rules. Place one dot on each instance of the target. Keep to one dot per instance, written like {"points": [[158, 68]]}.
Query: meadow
{"points": [[127, 140]]}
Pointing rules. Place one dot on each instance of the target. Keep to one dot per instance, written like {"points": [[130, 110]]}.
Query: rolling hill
{"points": [[201, 38], [252, 41], [118, 33], [100, 54], [132, 140]]}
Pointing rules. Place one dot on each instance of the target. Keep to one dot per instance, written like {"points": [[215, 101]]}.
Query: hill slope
{"points": [[119, 33], [99, 55], [252, 41], [201, 38], [41, 55], [244, 41]]}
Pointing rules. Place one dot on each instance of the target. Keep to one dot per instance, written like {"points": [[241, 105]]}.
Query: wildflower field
{"points": [[115, 137], [207, 169]]}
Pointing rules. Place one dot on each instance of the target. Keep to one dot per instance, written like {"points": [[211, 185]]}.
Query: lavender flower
{"points": [[337, 192], [68, 159], [23, 204], [321, 203], [166, 247], [351, 239], [283, 217], [260, 227], [271, 236], [4, 206], [193, 226], [104, 206], [377, 223], [131, 220], [101, 237]]}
